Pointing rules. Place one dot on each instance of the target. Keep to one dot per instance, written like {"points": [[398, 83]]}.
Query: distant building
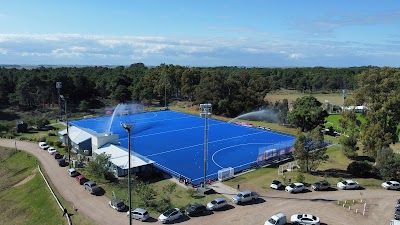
{"points": [[359, 109]]}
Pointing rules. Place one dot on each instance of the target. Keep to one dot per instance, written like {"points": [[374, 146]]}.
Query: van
{"points": [[394, 222]]}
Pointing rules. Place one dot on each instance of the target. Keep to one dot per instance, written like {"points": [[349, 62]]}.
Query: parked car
{"points": [[72, 172], [58, 156], [170, 215], [92, 187], [321, 185], [397, 213], [196, 210], [295, 188], [276, 184], [43, 145], [277, 219], [117, 204], [217, 204], [304, 219], [394, 222], [391, 185], [51, 150], [348, 184], [62, 162], [244, 196], [139, 214], [81, 179]]}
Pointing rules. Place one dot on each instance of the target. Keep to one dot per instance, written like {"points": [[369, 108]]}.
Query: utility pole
{"points": [[205, 112]]}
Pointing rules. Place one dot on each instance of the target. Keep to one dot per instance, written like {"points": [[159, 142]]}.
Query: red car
{"points": [[81, 179]]}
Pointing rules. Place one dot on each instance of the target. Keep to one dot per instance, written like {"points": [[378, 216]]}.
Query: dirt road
{"points": [[379, 210]]}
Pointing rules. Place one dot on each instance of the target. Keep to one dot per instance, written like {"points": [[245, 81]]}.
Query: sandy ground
{"points": [[379, 208]]}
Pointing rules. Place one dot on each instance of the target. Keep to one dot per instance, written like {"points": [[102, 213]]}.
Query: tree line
{"points": [[231, 90]]}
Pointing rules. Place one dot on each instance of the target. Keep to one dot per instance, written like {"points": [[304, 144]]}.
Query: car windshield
{"points": [[119, 204], [314, 218], [292, 186], [145, 213], [390, 183], [168, 212], [272, 221], [239, 195], [344, 182], [276, 182]]}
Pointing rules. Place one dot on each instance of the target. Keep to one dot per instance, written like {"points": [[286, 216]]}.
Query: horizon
{"points": [[282, 34]]}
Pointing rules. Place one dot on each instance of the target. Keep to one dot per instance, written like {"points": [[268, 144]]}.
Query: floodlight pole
{"points": [[205, 111], [128, 129], [59, 86], [165, 93], [66, 120]]}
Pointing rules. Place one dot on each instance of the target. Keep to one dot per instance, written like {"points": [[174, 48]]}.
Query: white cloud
{"points": [[295, 56], [153, 50]]}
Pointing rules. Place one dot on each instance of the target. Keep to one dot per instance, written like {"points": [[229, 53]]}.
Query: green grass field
{"points": [[291, 95], [29, 203]]}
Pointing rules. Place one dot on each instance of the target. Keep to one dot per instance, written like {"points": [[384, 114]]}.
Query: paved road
{"points": [[380, 203], [94, 207]]}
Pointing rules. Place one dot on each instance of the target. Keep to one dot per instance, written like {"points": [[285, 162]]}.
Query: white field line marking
{"points": [[201, 144], [233, 146]]}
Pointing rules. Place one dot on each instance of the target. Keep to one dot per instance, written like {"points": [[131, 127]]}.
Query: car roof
{"points": [[220, 199], [90, 182], [116, 201], [245, 192], [298, 184], [323, 182], [197, 205], [72, 169], [140, 210], [394, 182], [350, 181], [80, 177]]}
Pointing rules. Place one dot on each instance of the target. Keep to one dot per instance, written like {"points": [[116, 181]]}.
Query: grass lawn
{"points": [[31, 202]]}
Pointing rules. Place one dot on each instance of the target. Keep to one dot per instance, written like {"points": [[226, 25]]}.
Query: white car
{"points": [[51, 150], [170, 215], [43, 145], [295, 188], [348, 184], [217, 204], [304, 219], [139, 214], [391, 185], [72, 172], [276, 184]]}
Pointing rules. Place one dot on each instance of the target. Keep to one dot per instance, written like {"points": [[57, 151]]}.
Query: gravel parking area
{"points": [[379, 210]]}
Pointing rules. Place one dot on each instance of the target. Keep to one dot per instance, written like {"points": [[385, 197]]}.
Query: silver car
{"points": [[217, 204], [244, 196], [139, 214]]}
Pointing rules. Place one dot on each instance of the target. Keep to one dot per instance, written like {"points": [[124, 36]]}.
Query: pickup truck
{"points": [[92, 187], [244, 196]]}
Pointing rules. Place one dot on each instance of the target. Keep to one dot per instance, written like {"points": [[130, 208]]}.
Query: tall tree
{"points": [[310, 150], [379, 90], [307, 113]]}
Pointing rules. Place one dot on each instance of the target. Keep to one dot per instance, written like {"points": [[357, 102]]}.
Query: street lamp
{"points": [[128, 128], [205, 112], [66, 120]]}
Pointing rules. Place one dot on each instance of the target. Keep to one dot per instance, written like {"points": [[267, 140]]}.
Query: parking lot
{"points": [[380, 203]]}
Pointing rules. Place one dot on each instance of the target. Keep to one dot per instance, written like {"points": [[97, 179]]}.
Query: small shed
{"points": [[22, 127]]}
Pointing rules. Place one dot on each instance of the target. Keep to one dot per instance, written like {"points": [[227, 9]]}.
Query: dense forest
{"points": [[231, 90]]}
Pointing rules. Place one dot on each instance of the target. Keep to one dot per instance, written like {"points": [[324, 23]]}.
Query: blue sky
{"points": [[201, 33]]}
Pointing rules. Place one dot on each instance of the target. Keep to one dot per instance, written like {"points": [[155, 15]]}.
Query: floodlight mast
{"points": [[128, 128], [205, 112], [66, 121]]}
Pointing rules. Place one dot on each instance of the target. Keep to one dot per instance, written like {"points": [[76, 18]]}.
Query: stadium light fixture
{"points": [[205, 112], [128, 128], [66, 121]]}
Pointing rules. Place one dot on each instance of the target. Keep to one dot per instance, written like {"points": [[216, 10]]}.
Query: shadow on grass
{"points": [[333, 173]]}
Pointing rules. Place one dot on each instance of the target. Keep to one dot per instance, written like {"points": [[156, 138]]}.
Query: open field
{"points": [[291, 95]]}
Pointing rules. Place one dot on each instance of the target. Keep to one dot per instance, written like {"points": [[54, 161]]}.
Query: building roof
{"points": [[119, 156], [78, 134]]}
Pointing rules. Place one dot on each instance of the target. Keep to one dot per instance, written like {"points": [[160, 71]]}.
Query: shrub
{"points": [[58, 143], [9, 135], [41, 138], [360, 169], [23, 138], [300, 178], [51, 133]]}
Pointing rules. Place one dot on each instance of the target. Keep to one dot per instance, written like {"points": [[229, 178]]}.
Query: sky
{"points": [[252, 33]]}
